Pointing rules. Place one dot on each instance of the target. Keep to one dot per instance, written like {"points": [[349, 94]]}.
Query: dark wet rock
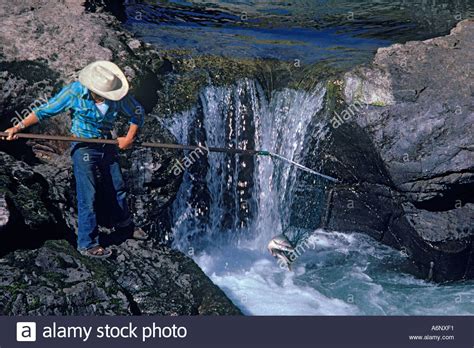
{"points": [[138, 279], [25, 207], [4, 211], [406, 158], [171, 270]]}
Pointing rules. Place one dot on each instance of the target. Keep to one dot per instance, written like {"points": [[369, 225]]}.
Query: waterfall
{"points": [[240, 199]]}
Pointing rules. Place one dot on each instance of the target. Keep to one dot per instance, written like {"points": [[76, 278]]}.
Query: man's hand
{"points": [[124, 143], [11, 133], [127, 141], [28, 121]]}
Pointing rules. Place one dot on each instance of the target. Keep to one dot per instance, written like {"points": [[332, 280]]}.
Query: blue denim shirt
{"points": [[88, 121]]}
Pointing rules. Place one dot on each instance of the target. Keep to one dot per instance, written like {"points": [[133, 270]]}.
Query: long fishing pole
{"points": [[169, 146]]}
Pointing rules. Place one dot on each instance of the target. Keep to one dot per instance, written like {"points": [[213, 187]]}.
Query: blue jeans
{"points": [[90, 161]]}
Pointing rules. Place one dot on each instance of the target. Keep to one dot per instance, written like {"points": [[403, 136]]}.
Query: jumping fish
{"points": [[280, 247]]}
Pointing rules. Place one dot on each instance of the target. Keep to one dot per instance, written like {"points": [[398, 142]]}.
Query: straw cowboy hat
{"points": [[105, 79]]}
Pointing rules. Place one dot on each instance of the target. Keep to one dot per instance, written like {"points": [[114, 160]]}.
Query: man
{"points": [[95, 100]]}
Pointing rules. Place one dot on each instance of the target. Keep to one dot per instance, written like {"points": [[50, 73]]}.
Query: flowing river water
{"points": [[229, 207]]}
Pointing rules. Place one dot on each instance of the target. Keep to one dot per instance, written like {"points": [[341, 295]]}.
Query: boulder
{"points": [[406, 155]]}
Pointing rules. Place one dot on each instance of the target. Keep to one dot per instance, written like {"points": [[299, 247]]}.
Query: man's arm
{"points": [[130, 107], [56, 105]]}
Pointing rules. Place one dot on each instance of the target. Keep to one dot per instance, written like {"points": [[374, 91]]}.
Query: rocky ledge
{"points": [[43, 46], [403, 144], [140, 279]]}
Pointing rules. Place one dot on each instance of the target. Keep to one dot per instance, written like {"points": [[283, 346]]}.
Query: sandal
{"points": [[96, 252]]}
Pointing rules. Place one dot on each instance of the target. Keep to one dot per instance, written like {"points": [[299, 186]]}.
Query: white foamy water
{"points": [[343, 275]]}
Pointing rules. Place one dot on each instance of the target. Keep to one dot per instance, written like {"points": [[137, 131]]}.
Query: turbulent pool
{"points": [[345, 274]]}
